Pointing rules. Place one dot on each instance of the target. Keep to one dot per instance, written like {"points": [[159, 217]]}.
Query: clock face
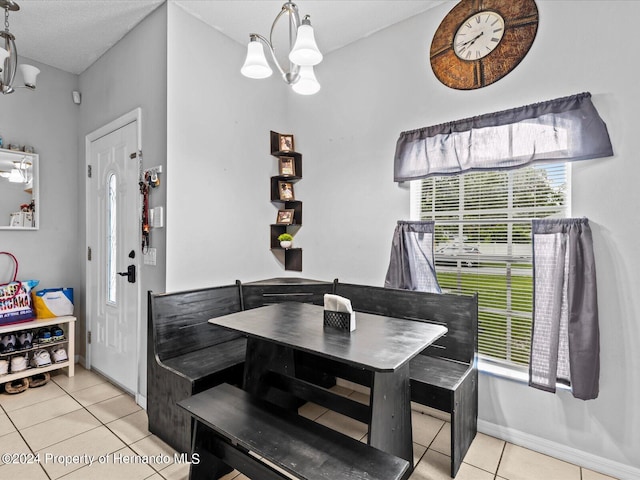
{"points": [[480, 41], [478, 35]]}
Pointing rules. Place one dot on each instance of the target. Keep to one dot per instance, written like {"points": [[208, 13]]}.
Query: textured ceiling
{"points": [[336, 22], [72, 34]]}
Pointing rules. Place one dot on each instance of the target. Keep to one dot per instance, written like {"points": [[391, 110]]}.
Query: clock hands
{"points": [[472, 41]]}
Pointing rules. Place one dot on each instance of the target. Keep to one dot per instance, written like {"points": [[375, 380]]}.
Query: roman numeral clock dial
{"points": [[480, 41]]}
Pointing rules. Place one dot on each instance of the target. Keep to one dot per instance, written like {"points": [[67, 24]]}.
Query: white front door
{"points": [[113, 218]]}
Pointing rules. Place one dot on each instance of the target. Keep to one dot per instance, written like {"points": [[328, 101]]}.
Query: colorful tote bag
{"points": [[15, 297]]}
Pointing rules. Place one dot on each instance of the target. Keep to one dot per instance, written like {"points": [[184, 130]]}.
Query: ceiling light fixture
{"points": [[9, 56], [303, 53]]}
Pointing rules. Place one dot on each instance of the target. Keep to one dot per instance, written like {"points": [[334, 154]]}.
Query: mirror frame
{"points": [[35, 188]]}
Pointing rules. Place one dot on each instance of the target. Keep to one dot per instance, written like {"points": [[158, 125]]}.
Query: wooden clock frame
{"points": [[521, 25]]}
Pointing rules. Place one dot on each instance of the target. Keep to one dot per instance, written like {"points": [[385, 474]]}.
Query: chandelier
{"points": [[303, 54], [9, 56]]}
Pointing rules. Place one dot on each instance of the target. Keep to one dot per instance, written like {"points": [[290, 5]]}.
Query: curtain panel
{"points": [[411, 266], [564, 129], [565, 340]]}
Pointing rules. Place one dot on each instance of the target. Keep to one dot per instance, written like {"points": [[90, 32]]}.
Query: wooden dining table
{"points": [[380, 345]]}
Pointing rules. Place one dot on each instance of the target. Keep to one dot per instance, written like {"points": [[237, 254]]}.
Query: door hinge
{"points": [[89, 337], [89, 253], [89, 171]]}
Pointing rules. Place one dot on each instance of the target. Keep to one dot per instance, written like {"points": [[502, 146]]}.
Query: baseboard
{"points": [[559, 451], [142, 401]]}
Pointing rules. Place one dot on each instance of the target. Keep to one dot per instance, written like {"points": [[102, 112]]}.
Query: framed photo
{"points": [[285, 190], [285, 217], [286, 143], [287, 167]]}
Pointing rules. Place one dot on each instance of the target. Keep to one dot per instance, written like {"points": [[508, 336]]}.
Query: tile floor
{"points": [[85, 416]]}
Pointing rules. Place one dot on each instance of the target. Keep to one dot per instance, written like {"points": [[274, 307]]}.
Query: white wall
{"points": [[129, 75], [218, 207], [46, 119], [218, 170], [382, 85]]}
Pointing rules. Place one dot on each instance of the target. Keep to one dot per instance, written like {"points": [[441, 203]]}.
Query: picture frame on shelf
{"points": [[285, 190], [287, 167], [286, 143], [285, 216]]}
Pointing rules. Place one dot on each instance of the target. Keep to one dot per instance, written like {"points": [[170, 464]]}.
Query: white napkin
{"points": [[337, 303]]}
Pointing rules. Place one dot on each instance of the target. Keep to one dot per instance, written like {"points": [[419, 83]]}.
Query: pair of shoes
{"points": [[19, 363], [40, 358], [44, 335], [17, 386], [38, 379], [57, 334], [4, 366], [59, 355], [24, 341], [8, 343]]}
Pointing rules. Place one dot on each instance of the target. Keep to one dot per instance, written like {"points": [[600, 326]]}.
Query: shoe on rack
{"points": [[4, 367], [18, 363], [8, 343], [17, 386], [39, 379], [41, 358], [59, 355], [25, 340], [57, 333], [43, 335]]}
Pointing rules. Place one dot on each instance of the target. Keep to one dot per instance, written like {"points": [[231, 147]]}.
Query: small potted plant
{"points": [[285, 240]]}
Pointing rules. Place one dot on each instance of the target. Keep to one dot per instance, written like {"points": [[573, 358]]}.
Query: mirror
{"points": [[19, 208]]}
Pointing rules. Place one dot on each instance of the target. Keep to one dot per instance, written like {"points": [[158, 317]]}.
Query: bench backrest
{"points": [[459, 313], [179, 321], [287, 289]]}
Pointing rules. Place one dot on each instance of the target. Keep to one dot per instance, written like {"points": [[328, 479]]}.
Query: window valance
{"points": [[567, 128]]}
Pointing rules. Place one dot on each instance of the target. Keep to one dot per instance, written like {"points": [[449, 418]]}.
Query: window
{"points": [[482, 244], [111, 241]]}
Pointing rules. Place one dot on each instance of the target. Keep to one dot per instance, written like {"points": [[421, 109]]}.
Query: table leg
{"points": [[390, 425], [264, 357]]}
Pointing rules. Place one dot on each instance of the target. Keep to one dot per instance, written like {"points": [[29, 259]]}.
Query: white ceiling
{"points": [[72, 34]]}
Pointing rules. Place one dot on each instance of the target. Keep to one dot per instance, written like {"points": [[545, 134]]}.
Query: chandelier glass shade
{"points": [[9, 56], [303, 53]]}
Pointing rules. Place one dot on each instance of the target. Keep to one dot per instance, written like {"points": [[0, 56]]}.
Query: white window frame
{"points": [[487, 363]]}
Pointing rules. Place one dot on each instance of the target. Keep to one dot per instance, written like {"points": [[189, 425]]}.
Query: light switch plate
{"points": [[150, 257]]}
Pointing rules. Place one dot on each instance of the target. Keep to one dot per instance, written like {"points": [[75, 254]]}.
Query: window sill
{"points": [[506, 371]]}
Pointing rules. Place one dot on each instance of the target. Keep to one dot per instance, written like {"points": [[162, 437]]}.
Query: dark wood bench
{"points": [[186, 355], [230, 424], [445, 375], [286, 289]]}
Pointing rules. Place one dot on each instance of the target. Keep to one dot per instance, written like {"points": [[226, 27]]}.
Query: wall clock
{"points": [[480, 41]]}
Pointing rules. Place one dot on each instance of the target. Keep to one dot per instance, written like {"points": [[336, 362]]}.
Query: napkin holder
{"points": [[340, 320], [338, 313]]}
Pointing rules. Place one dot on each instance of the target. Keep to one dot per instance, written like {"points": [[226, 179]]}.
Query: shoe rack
{"points": [[67, 324]]}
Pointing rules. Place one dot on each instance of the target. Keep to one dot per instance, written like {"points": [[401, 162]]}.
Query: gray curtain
{"points": [[411, 266], [564, 129], [565, 341]]}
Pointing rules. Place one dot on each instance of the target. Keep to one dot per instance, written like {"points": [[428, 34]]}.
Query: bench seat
{"points": [[204, 366], [186, 354], [439, 372], [230, 424]]}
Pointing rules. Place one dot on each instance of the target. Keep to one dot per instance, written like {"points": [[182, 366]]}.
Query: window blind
{"points": [[483, 244]]}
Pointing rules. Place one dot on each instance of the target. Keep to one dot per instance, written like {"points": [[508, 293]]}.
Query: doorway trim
{"points": [[134, 115]]}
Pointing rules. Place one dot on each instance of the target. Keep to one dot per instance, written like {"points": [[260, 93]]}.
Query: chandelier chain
{"points": [[6, 19]]}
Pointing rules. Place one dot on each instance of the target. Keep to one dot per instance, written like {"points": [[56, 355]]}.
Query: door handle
{"points": [[130, 274]]}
